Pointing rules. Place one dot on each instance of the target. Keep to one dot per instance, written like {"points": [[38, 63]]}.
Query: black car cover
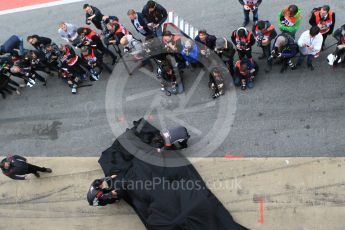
{"points": [[164, 197]]}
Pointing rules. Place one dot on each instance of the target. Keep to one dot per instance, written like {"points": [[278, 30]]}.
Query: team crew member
{"points": [[175, 136], [139, 23], [93, 39], [250, 5], [68, 32], [289, 20], [243, 40], [16, 167], [205, 42], [100, 195], [13, 44], [93, 15], [155, 15], [324, 18], [284, 49], [339, 35], [245, 72], [310, 44], [264, 33], [226, 52]]}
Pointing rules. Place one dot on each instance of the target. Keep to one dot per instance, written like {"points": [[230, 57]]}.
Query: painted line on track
{"points": [[16, 6]]}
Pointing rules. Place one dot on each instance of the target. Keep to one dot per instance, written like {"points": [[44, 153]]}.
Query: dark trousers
{"points": [[97, 22], [102, 48], [255, 15], [266, 50], [324, 39], [34, 169], [244, 53], [310, 59]]}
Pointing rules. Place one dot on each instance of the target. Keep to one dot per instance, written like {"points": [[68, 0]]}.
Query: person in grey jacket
{"points": [[68, 32], [16, 167]]}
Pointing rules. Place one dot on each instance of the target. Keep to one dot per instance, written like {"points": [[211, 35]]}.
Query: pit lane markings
{"points": [[15, 6]]}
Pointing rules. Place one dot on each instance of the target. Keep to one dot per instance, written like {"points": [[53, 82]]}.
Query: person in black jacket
{"points": [[139, 23], [205, 42], [39, 42], [16, 167], [93, 15], [12, 44], [155, 15], [226, 52]]}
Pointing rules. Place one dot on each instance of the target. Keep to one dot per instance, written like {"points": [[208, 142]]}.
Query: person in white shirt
{"points": [[68, 32], [310, 44]]}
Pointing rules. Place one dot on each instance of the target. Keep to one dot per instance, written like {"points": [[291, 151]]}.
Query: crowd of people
{"points": [[82, 56]]}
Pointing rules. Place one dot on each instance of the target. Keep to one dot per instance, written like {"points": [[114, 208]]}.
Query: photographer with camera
{"points": [[205, 42], [226, 52], [101, 195], [173, 45], [22, 68], [243, 40], [245, 73], [94, 61], [38, 61], [72, 62], [250, 6], [310, 44], [89, 37], [324, 18], [170, 83], [155, 15], [339, 53], [264, 33], [284, 49], [289, 20], [216, 83]]}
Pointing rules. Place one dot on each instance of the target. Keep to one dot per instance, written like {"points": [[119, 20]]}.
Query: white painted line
{"points": [[38, 6]]}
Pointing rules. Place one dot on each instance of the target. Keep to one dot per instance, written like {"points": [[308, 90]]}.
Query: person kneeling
{"points": [[245, 72], [100, 195], [216, 83]]}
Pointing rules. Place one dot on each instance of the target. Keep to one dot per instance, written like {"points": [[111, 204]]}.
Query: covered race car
{"points": [[163, 196]]}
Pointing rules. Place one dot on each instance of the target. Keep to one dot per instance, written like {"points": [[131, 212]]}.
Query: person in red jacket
{"points": [[243, 40], [324, 18], [264, 33], [91, 38], [16, 167]]}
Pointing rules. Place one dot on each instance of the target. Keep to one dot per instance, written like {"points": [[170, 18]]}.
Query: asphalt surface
{"points": [[298, 113]]}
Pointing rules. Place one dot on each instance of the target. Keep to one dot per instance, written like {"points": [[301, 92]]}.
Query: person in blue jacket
{"points": [[13, 44], [190, 53]]}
